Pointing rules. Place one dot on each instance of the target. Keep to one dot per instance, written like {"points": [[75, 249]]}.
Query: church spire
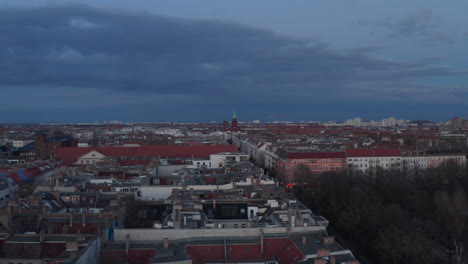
{"points": [[234, 121]]}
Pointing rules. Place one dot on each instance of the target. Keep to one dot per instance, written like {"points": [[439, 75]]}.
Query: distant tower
{"points": [[234, 120]]}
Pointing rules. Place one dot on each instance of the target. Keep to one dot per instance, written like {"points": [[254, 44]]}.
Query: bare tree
{"points": [[451, 214]]}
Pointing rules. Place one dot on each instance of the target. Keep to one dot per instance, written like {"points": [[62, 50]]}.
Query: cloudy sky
{"points": [[190, 60]]}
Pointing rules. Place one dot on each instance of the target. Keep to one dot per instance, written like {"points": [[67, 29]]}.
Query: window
{"points": [[236, 225], [243, 225], [229, 210]]}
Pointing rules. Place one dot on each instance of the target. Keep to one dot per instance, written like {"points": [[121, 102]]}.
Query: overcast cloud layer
{"points": [[78, 63]]}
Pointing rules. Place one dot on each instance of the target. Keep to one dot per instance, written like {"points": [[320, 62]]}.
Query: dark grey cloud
{"points": [[421, 24], [78, 47]]}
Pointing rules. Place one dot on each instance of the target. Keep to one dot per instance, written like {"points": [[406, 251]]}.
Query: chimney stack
{"points": [[328, 240], [323, 252], [261, 240], [71, 246], [166, 242], [127, 244], [84, 219], [41, 236], [71, 218]]}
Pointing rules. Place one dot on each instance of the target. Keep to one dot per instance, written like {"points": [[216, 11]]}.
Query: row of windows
{"points": [[319, 161], [381, 159]]}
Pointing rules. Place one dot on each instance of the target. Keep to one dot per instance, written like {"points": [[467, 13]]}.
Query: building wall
{"points": [[21, 143], [286, 167], [146, 234], [436, 161]]}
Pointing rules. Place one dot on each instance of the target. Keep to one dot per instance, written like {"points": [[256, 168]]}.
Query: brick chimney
{"points": [[322, 252], [320, 261], [71, 246], [262, 238], [41, 236], [127, 244], [328, 240]]}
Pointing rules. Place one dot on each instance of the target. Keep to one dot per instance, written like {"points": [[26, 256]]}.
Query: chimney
{"points": [[71, 218], [44, 210], [84, 219], [261, 240], [257, 183], [322, 252], [328, 240], [9, 210], [127, 244], [166, 242], [332, 260], [50, 228], [71, 246], [41, 236]]}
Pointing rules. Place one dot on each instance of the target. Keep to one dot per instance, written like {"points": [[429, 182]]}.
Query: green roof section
{"points": [[234, 115]]}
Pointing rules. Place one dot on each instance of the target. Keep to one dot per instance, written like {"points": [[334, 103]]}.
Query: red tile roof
{"points": [[360, 152], [391, 152], [71, 155], [378, 152], [317, 155]]}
